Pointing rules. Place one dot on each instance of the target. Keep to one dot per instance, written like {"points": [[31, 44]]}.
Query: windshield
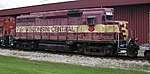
{"points": [[109, 15]]}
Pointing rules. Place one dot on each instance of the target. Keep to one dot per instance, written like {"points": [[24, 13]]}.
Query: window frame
{"points": [[91, 19]]}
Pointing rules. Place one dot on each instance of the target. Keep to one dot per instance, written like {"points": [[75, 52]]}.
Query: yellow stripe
{"points": [[124, 28], [99, 28]]}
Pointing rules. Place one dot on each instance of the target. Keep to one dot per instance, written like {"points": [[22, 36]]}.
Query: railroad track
{"points": [[119, 57], [121, 62], [122, 57]]}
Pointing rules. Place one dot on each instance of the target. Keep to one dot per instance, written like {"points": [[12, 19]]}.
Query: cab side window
{"points": [[91, 20]]}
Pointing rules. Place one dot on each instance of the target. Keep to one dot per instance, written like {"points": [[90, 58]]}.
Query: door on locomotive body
{"points": [[74, 21], [91, 22]]}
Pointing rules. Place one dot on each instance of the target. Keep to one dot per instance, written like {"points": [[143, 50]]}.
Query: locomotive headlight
{"points": [[2, 40], [109, 13]]}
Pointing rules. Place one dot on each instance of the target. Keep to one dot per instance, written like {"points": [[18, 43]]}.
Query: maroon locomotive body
{"points": [[84, 24], [87, 31]]}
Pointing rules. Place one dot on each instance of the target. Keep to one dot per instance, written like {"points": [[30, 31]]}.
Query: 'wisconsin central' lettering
{"points": [[46, 28]]}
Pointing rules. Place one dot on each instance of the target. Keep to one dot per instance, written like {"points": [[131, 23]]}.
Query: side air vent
{"points": [[74, 13]]}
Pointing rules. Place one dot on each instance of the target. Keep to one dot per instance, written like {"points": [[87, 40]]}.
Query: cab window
{"points": [[91, 20], [109, 16]]}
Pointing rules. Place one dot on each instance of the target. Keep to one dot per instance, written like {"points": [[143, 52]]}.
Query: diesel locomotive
{"points": [[90, 31]]}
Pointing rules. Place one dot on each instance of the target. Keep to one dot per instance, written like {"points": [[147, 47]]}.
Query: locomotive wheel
{"points": [[81, 49], [19, 46], [23, 46], [147, 54], [115, 53]]}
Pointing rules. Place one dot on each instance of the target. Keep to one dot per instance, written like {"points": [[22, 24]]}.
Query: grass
{"points": [[12, 65]]}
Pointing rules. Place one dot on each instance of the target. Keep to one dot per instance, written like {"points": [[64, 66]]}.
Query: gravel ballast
{"points": [[79, 59]]}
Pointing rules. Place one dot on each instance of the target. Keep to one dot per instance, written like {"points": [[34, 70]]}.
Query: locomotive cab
{"points": [[108, 16]]}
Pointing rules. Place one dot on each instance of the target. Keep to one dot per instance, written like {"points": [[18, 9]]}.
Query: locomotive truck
{"points": [[90, 31]]}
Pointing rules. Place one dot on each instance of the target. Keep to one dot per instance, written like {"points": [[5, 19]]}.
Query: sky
{"points": [[7, 4]]}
